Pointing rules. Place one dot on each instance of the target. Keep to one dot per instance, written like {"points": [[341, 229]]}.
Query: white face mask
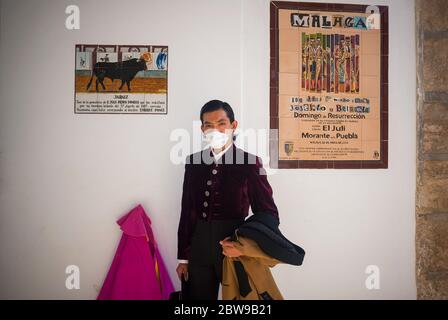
{"points": [[216, 139]]}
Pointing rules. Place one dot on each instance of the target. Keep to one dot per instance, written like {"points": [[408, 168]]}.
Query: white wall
{"points": [[346, 219], [66, 178]]}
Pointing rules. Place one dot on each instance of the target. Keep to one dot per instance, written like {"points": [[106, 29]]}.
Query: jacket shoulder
{"points": [[198, 157], [247, 157]]}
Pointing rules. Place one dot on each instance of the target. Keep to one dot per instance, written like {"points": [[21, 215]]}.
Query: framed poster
{"points": [[328, 85], [131, 79]]}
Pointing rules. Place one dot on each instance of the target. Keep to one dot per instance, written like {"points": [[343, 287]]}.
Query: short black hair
{"points": [[214, 105]]}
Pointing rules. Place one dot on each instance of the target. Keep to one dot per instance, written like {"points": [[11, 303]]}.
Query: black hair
{"points": [[214, 105]]}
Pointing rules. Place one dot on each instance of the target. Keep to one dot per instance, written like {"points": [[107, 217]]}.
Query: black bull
{"points": [[123, 70]]}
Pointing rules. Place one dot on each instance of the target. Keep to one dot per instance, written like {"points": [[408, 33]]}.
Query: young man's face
{"points": [[217, 120]]}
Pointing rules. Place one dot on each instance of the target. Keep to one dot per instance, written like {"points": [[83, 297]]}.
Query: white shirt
{"points": [[217, 156]]}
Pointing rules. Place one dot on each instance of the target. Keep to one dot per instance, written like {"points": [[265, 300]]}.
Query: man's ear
{"points": [[234, 124]]}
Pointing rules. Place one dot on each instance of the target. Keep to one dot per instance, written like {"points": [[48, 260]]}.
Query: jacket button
{"points": [[214, 171], [205, 204], [207, 193], [209, 182], [204, 215]]}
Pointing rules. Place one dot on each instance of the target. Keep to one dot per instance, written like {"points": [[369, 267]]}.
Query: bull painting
{"points": [[137, 78], [122, 70]]}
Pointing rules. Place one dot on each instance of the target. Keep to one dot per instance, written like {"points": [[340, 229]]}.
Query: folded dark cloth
{"points": [[263, 228]]}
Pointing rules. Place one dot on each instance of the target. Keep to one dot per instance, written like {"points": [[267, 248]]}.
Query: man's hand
{"points": [[182, 269], [228, 248]]}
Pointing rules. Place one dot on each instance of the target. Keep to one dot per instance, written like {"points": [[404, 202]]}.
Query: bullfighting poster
{"points": [[329, 65], [121, 79]]}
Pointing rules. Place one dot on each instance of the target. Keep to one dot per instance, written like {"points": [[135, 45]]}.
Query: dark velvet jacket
{"points": [[221, 190]]}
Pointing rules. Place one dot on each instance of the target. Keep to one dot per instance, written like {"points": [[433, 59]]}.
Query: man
{"points": [[220, 183]]}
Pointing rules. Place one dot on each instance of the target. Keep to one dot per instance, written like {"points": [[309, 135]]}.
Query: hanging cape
{"points": [[137, 271]]}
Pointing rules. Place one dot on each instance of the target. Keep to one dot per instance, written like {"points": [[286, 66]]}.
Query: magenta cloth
{"points": [[137, 271]]}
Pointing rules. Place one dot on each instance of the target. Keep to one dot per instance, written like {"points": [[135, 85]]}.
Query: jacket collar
{"points": [[226, 158]]}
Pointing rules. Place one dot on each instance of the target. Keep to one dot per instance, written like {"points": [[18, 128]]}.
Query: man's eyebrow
{"points": [[220, 120]]}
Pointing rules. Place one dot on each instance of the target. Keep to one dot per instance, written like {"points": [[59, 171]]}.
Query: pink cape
{"points": [[137, 271]]}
